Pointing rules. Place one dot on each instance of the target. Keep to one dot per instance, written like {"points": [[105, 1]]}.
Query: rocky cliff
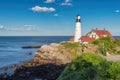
{"points": [[53, 53], [49, 61]]}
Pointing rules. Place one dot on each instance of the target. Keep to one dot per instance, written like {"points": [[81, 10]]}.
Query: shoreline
{"points": [[46, 64], [10, 68]]}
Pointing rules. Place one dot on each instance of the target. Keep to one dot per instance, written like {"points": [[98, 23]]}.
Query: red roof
{"points": [[87, 39], [101, 33]]}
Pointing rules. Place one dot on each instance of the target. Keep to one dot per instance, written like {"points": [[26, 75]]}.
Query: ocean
{"points": [[12, 53], [117, 37]]}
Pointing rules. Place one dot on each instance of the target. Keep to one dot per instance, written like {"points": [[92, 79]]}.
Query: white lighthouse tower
{"points": [[78, 34]]}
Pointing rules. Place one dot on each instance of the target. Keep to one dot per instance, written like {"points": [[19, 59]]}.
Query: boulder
{"points": [[53, 53]]}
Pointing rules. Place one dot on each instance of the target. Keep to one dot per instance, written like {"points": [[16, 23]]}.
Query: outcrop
{"points": [[48, 63]]}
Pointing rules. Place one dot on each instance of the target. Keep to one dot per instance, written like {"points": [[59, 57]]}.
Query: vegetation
{"points": [[68, 45], [71, 48], [91, 67], [107, 45]]}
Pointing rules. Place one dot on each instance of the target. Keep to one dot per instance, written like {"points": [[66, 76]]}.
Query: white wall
{"points": [[93, 35]]}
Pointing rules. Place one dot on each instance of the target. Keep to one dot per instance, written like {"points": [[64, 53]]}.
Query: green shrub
{"points": [[106, 45], [118, 52], [114, 71], [69, 45], [91, 67]]}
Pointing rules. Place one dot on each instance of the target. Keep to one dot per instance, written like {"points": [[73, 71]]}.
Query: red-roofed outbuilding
{"points": [[99, 34], [93, 35]]}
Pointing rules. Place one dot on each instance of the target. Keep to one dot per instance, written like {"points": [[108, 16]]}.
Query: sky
{"points": [[57, 17]]}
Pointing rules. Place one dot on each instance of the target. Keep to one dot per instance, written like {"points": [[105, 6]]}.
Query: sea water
{"points": [[12, 53]]}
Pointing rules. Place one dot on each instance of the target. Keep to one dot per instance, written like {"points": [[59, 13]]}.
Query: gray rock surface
{"points": [[53, 53]]}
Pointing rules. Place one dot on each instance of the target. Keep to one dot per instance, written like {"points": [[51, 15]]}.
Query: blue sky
{"points": [[57, 17]]}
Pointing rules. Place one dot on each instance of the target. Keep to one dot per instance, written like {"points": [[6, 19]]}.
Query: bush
{"points": [[114, 71], [69, 45], [118, 52], [106, 45], [91, 67]]}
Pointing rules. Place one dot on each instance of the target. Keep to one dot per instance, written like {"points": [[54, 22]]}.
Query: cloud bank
{"points": [[56, 15], [22, 28], [117, 11], [42, 9], [49, 1], [66, 3], [2, 27]]}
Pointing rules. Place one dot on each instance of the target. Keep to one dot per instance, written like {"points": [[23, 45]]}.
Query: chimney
{"points": [[96, 28]]}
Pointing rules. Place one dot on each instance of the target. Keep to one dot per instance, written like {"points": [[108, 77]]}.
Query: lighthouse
{"points": [[78, 34]]}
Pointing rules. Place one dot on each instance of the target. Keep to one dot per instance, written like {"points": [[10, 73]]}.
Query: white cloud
{"points": [[22, 28], [29, 27], [56, 15], [14, 29], [2, 27], [49, 1], [42, 9], [66, 3], [117, 11]]}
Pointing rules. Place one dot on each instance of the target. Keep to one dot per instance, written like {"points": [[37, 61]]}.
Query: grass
{"points": [[72, 48]]}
